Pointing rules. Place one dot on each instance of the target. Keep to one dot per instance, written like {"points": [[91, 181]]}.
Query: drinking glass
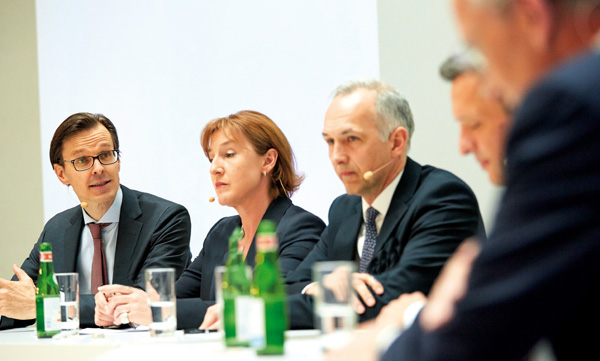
{"points": [[68, 287], [160, 287], [334, 298]]}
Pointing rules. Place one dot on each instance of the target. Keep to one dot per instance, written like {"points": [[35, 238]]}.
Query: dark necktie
{"points": [[99, 275], [370, 238]]}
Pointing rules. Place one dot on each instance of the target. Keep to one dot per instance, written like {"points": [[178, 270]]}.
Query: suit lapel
{"points": [[67, 259], [129, 231], [344, 247], [403, 193]]}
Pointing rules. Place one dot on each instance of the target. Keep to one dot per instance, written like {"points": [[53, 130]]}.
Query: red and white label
{"points": [[45, 256], [266, 242]]}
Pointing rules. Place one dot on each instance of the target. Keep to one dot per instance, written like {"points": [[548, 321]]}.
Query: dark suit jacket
{"points": [[538, 276], [153, 232], [297, 233], [431, 213]]}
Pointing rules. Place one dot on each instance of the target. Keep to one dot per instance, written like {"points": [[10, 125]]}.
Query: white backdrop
{"points": [[161, 69]]}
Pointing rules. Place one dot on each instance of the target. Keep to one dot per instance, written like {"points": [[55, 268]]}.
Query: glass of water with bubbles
{"points": [[160, 287]]}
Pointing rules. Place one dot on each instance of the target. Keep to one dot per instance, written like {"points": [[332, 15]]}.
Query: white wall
{"points": [[161, 69], [415, 37]]}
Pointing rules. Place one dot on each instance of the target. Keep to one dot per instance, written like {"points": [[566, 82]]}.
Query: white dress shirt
{"points": [[109, 243], [381, 204]]}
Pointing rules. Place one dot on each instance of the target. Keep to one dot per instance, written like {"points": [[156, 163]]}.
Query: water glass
{"points": [[219, 272], [160, 287], [334, 298], [68, 286]]}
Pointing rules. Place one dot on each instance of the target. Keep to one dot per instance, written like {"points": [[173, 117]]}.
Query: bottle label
{"points": [[51, 314], [256, 322], [243, 325], [45, 256], [266, 242]]}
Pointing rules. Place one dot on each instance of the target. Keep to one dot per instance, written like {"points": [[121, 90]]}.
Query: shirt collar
{"points": [[384, 199], [113, 213]]}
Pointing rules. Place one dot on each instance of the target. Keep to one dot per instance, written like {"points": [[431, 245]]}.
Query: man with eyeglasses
{"points": [[112, 237]]}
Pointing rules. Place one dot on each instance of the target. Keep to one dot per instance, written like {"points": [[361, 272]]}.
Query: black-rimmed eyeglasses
{"points": [[86, 162]]}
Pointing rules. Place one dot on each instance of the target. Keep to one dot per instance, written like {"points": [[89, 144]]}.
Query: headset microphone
{"points": [[369, 174]]}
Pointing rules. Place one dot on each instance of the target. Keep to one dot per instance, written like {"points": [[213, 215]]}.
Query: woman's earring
{"points": [[264, 173]]}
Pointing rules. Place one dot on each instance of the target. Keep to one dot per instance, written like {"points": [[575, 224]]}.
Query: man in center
{"points": [[400, 221]]}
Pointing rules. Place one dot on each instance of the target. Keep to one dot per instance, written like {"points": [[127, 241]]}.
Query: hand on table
{"points": [[17, 298], [336, 282], [211, 319], [450, 287], [101, 317], [367, 340], [126, 300]]}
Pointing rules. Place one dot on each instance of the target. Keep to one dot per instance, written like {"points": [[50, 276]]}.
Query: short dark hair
{"points": [[466, 61], [74, 124]]}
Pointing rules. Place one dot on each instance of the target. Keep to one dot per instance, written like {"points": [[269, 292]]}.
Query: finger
{"points": [[358, 306], [21, 275], [341, 291], [375, 285], [215, 325], [363, 292], [115, 289], [210, 318], [116, 303], [102, 323], [120, 300], [100, 300], [118, 313], [110, 306], [102, 319], [207, 322], [100, 313], [312, 289]]}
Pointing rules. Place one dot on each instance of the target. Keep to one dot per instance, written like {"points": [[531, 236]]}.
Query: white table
{"points": [[22, 344]]}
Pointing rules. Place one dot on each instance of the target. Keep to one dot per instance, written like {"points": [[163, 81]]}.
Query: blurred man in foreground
{"points": [[537, 277]]}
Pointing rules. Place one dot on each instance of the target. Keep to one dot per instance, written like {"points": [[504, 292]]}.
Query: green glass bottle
{"points": [[47, 301], [268, 286], [236, 286]]}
